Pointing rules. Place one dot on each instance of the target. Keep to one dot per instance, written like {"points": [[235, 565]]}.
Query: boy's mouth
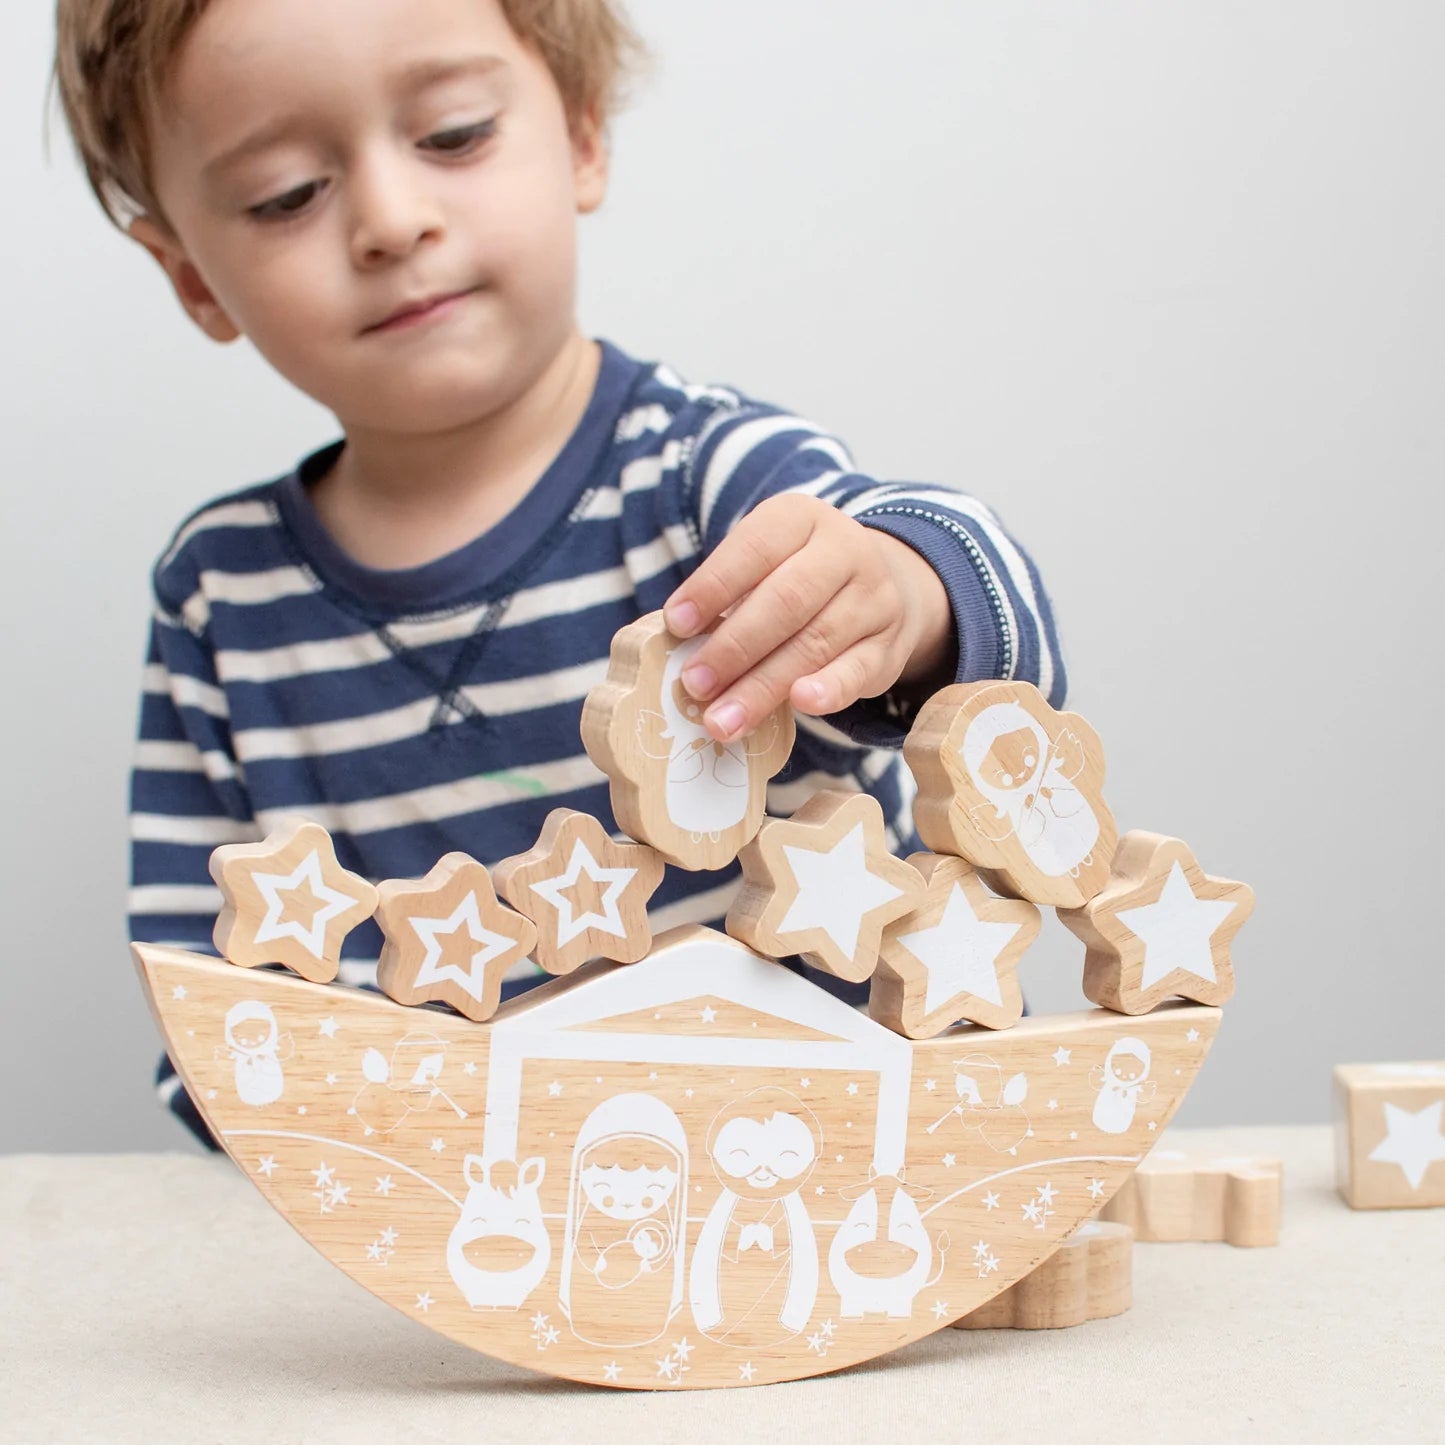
{"points": [[413, 312]]}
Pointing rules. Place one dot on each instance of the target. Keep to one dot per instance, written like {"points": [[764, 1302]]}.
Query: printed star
{"points": [[388, 1237], [652, 1077], [851, 1089], [424, 1302], [687, 1093], [323, 1175], [709, 1014], [301, 1109], [990, 1264], [465, 920], [1152, 1126], [940, 1308], [1413, 1141], [827, 1328], [373, 1251], [328, 1027], [338, 1194], [1062, 1055], [267, 1166], [603, 888], [210, 1093], [331, 1078], [980, 1250], [384, 1186], [815, 1343], [469, 1068], [1176, 930], [539, 1321], [949, 1161], [437, 1145], [550, 1336], [1032, 1212], [930, 1084], [179, 991], [818, 1189], [1096, 1189], [683, 1349], [1047, 1194], [1192, 1036], [961, 953], [1053, 1104], [554, 1089], [300, 905], [611, 1370], [747, 1371], [990, 1200], [805, 1083], [667, 1368]]}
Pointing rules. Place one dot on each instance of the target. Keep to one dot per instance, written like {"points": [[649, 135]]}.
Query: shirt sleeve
{"points": [[1003, 619], [186, 796]]}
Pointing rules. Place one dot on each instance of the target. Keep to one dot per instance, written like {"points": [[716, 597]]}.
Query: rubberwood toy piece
{"points": [[448, 939], [1014, 787], [288, 901], [1390, 1135], [1089, 1277], [1161, 927], [824, 884], [700, 1169], [695, 800], [1173, 1197], [586, 893], [954, 957]]}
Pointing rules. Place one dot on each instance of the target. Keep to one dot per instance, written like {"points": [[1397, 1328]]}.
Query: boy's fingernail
{"points": [[726, 719], [699, 681], [683, 619]]}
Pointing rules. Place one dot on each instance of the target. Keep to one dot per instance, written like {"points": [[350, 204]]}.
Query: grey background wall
{"points": [[1162, 282]]}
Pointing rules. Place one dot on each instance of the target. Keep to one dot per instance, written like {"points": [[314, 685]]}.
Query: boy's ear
{"points": [[191, 290], [590, 161]]}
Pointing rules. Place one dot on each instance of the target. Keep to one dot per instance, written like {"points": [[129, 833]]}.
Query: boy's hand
{"points": [[817, 609]]}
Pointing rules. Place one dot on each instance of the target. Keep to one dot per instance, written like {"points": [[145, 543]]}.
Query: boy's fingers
{"points": [[787, 604], [753, 549], [862, 671]]}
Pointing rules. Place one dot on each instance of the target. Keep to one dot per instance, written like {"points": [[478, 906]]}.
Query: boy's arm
{"points": [[186, 796], [856, 599]]}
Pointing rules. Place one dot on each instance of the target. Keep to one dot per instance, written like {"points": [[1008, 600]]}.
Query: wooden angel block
{"points": [[586, 893], [955, 957], [823, 884], [1089, 1277], [448, 939], [1173, 1197], [287, 900], [1390, 1135], [1161, 927], [695, 800], [1015, 788]]}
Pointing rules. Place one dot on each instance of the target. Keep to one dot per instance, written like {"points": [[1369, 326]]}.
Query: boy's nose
{"points": [[393, 211]]}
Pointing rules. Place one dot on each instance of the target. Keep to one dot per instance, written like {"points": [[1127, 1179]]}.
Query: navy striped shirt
{"points": [[421, 711]]}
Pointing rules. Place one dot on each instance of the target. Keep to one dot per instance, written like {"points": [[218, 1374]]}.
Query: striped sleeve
{"points": [[1003, 618], [186, 796]]}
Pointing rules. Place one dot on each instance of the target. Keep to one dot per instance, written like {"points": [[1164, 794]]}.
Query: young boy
{"points": [[396, 637]]}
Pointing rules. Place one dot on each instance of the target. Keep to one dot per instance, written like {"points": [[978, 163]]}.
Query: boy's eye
{"points": [[461, 138], [289, 203]]}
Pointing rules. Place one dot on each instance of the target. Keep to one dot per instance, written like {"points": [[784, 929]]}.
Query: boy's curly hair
{"points": [[112, 58]]}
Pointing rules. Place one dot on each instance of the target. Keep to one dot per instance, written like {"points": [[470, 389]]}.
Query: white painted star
{"points": [[1062, 1055], [1032, 1212], [990, 1200], [571, 925], [301, 1109], [373, 1251], [210, 1093], [652, 1077], [1413, 1141], [827, 1328], [1192, 1036], [960, 953], [687, 1093], [323, 1175], [388, 1237], [851, 1089], [930, 1084], [747, 1371], [328, 1027], [611, 1370], [1176, 930], [683, 1348], [709, 1014], [267, 1166], [1096, 1189], [949, 1161], [550, 1336], [466, 915], [179, 991], [1053, 1104], [1152, 1126], [836, 890], [275, 925], [980, 1250], [940, 1308], [539, 1321], [437, 1146], [424, 1302], [667, 1368], [805, 1083], [554, 1089], [1047, 1194], [338, 1194], [469, 1068], [818, 1190], [331, 1078], [384, 1186]]}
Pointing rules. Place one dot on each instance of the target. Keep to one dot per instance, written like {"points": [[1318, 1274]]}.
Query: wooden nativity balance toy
{"points": [[695, 1168]]}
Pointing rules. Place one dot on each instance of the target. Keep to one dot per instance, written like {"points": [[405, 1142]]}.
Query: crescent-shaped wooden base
{"points": [[696, 1170]]}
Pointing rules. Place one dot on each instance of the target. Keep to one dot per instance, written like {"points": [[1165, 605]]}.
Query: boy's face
{"points": [[395, 151]]}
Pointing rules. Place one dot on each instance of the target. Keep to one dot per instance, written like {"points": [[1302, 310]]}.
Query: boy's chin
{"points": [[415, 410]]}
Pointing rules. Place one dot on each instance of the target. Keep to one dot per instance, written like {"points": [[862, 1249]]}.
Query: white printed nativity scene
{"points": [[700, 1168]]}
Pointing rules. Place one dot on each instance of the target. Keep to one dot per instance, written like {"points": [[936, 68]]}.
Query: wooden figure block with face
{"points": [[955, 957], [1390, 1135], [448, 939], [1015, 788], [1162, 927], [823, 884], [287, 900], [696, 800]]}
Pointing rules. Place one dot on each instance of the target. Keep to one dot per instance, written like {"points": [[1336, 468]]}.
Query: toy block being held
{"points": [[824, 884], [448, 939], [1089, 1277], [1173, 1197], [1014, 787], [1390, 1135], [586, 893], [1161, 927], [954, 957], [694, 799], [288, 901]]}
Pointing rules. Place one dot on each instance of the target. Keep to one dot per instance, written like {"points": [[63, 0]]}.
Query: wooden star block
{"points": [[1015, 788], [824, 884], [953, 958], [1390, 1135], [1173, 1197], [1089, 1277], [448, 939], [288, 901], [695, 800], [1161, 927], [586, 893]]}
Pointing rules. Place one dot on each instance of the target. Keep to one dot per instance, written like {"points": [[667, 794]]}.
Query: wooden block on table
{"points": [[288, 901], [1390, 1135], [1173, 1197], [1014, 787], [1089, 1277], [955, 957], [448, 939], [696, 800], [823, 884], [1161, 927]]}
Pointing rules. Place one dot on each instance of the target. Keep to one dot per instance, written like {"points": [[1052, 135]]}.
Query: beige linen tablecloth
{"points": [[159, 1298]]}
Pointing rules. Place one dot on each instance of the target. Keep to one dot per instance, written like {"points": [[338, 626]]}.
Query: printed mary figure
{"points": [[623, 1261], [257, 1046]]}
